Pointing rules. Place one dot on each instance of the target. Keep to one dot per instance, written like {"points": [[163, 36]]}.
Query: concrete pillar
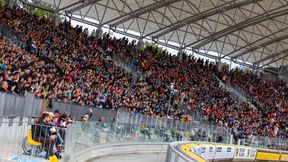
{"points": [[230, 66], [140, 44], [219, 64], [257, 70], [238, 142], [56, 19], [281, 69], [187, 56], [180, 54], [9, 3], [99, 32]]}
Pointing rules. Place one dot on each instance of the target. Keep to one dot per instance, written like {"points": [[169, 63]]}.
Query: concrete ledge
{"points": [[97, 152]]}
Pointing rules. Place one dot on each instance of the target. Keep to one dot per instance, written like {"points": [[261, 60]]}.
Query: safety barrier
{"points": [[29, 106], [78, 110], [12, 36], [175, 155], [17, 105], [12, 134], [217, 152], [19, 142]]}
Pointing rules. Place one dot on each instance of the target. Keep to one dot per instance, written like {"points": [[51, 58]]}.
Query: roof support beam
{"points": [[71, 5], [128, 16], [246, 23], [217, 58], [272, 56], [85, 4], [160, 43], [271, 41], [256, 41], [49, 9], [202, 15], [275, 60], [83, 21], [37, 6]]}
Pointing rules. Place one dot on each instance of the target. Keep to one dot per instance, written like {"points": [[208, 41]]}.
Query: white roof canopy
{"points": [[246, 31]]}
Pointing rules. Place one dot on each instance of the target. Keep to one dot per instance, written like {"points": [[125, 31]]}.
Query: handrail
{"points": [[215, 151], [192, 156]]}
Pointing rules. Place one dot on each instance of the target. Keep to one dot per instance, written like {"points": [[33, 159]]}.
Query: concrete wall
{"points": [[129, 152]]}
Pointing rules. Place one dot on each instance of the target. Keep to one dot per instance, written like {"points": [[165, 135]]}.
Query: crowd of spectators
{"points": [[196, 84], [76, 68], [270, 97], [73, 67]]}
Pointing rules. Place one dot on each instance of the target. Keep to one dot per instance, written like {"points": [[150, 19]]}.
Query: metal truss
{"points": [[277, 54], [231, 28], [249, 22], [264, 44], [55, 8], [122, 32], [84, 21], [140, 11], [85, 4], [216, 58], [160, 43], [201, 15], [274, 60], [251, 44], [37, 6], [71, 5]]}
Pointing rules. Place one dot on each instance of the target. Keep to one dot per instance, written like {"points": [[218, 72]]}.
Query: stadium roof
{"points": [[250, 32]]}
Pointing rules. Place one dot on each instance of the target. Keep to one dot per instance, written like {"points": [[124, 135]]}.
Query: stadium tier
{"points": [[135, 94]]}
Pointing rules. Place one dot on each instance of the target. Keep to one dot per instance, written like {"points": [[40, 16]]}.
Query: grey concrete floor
{"points": [[132, 158]]}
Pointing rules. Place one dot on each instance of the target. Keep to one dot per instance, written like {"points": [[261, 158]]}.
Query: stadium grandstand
{"points": [[143, 80]]}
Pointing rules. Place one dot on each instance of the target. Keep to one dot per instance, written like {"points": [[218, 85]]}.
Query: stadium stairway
{"points": [[234, 93]]}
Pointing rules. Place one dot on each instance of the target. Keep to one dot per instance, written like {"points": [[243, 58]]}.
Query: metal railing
{"points": [[83, 135], [12, 36], [30, 106], [236, 94], [191, 126], [17, 105], [265, 142], [12, 133], [78, 110], [174, 155], [22, 139], [126, 64]]}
